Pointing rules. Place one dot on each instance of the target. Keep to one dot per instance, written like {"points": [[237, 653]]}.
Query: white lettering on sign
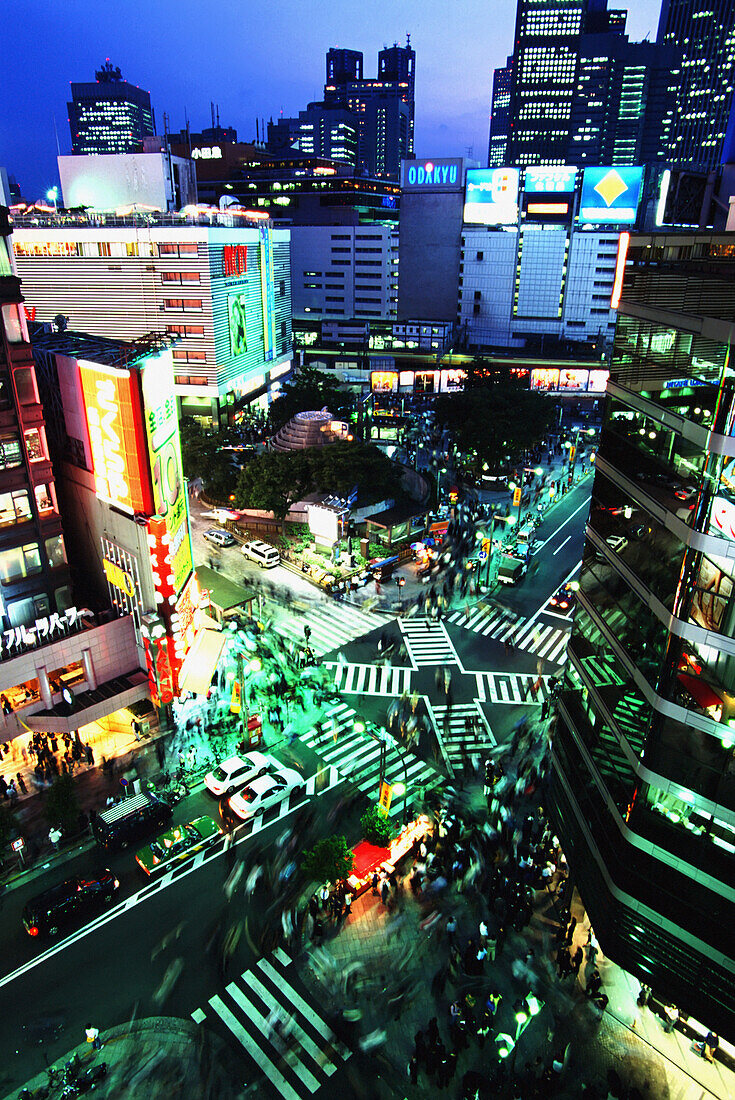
{"points": [[207, 153], [43, 630], [109, 461]]}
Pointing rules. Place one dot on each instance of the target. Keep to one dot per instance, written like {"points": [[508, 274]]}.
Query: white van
{"points": [[266, 556]]}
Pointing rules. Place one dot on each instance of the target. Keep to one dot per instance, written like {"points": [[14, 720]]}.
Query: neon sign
{"points": [[430, 174], [234, 259], [114, 422], [211, 152]]}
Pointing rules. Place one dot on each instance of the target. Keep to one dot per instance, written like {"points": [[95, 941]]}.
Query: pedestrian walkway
{"points": [[541, 639], [357, 757], [512, 687], [306, 1053], [464, 731], [427, 643], [330, 624], [383, 680]]}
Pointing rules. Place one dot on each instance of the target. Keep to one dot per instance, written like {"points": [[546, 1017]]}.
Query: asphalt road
{"points": [[107, 973]]}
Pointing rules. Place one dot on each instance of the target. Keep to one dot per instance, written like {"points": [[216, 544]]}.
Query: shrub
{"points": [[376, 827], [330, 860]]}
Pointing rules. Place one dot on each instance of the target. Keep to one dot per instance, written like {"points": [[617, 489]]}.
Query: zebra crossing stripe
{"points": [[259, 1056], [306, 1010], [307, 1043], [480, 680], [248, 1008]]}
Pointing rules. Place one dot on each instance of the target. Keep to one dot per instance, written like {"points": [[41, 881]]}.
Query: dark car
{"points": [[70, 903], [130, 821]]}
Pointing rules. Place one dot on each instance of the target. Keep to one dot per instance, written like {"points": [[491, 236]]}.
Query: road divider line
{"points": [[561, 547], [584, 504]]}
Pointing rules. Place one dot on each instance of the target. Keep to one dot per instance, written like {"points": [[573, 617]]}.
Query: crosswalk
{"points": [[541, 639], [331, 624], [385, 680], [427, 643], [512, 687], [295, 1069], [356, 756], [464, 732]]}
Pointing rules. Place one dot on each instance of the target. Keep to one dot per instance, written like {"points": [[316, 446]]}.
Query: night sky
{"points": [[254, 59]]}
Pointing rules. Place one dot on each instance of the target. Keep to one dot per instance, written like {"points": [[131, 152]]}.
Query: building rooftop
{"points": [[96, 349]]}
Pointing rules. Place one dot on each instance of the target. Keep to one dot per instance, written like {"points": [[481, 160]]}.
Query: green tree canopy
{"points": [[276, 480], [495, 415], [202, 456], [62, 805], [330, 860], [309, 389]]}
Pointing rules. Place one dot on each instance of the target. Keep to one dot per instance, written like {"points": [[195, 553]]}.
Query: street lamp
{"points": [[53, 196]]}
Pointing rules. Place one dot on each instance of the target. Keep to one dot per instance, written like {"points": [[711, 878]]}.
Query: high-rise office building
{"points": [[643, 778], [366, 122], [580, 91], [705, 34], [499, 116], [109, 116]]}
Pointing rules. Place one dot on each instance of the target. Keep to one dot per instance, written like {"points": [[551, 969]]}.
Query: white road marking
{"points": [[561, 547]]}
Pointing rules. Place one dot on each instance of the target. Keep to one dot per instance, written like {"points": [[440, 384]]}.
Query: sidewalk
{"points": [[159, 1057]]}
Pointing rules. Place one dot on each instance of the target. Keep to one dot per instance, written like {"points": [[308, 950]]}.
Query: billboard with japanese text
{"points": [[116, 436]]}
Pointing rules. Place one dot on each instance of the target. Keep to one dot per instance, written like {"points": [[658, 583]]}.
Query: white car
{"points": [[236, 771], [264, 792]]}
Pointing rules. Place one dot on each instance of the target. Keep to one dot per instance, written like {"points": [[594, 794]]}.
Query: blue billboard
{"points": [[491, 196], [610, 195]]}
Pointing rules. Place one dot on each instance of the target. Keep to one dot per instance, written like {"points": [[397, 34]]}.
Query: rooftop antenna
{"points": [[211, 107], [408, 40], [58, 147]]}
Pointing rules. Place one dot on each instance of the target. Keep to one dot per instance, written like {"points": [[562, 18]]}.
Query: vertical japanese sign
{"points": [[116, 436], [164, 449], [267, 291]]}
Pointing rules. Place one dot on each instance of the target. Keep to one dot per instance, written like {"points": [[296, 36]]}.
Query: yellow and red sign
{"points": [[386, 793], [517, 493], [117, 437]]}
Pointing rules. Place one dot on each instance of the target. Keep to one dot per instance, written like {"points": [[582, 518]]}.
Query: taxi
{"points": [[179, 843]]}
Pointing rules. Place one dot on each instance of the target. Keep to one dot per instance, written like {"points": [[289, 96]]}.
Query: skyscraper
{"points": [[705, 33], [643, 783], [580, 91], [499, 116], [378, 134], [110, 116]]}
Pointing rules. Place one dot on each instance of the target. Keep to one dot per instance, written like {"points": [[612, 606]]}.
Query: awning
{"points": [[700, 691], [201, 662]]}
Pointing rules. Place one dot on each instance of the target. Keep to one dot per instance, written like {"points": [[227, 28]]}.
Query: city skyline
{"points": [[452, 114]]}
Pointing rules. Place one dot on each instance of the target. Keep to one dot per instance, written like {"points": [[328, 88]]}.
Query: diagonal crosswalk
{"points": [[384, 680], [512, 687], [465, 731], [331, 624], [427, 643], [357, 757], [295, 1069], [541, 639]]}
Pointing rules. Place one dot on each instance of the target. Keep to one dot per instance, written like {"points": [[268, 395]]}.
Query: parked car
{"points": [[261, 553], [69, 904], [130, 820], [237, 771], [263, 793], [179, 843], [219, 537], [616, 542]]}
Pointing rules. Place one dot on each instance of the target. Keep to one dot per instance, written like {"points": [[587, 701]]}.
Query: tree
{"points": [[309, 389], [376, 828], [330, 860], [202, 455], [274, 482], [339, 467], [62, 805]]}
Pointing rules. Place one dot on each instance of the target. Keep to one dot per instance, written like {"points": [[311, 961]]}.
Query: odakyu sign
{"points": [[431, 175]]}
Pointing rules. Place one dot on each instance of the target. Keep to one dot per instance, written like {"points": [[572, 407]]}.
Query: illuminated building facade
{"points": [[344, 271], [497, 153], [109, 116], [643, 778], [223, 293], [705, 78], [62, 666]]}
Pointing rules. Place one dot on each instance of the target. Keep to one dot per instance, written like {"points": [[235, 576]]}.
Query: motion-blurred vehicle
{"points": [[237, 771], [563, 599], [510, 569], [264, 792], [69, 903], [179, 843]]}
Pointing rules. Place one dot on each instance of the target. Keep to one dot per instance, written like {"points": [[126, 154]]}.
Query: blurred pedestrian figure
{"points": [[21, 783], [375, 881]]}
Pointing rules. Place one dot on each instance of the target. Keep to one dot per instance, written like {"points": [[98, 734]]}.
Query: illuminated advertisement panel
{"points": [[384, 381], [573, 379], [546, 179], [116, 436], [164, 449], [236, 316], [267, 292], [598, 381], [610, 195], [544, 378], [491, 196]]}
